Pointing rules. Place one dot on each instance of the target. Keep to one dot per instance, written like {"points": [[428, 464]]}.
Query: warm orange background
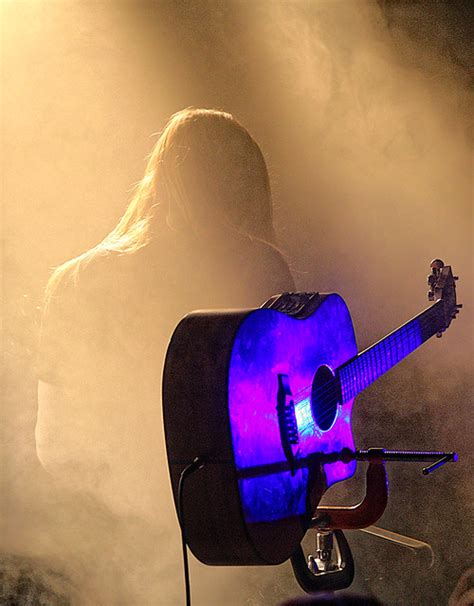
{"points": [[362, 111]]}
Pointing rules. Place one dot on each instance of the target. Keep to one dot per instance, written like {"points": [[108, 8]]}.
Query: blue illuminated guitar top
{"points": [[259, 394]]}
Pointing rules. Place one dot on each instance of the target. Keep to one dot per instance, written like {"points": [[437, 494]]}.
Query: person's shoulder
{"points": [[266, 268], [100, 269], [272, 259], [74, 272], [91, 272]]}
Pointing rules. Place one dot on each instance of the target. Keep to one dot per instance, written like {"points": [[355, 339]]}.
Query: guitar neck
{"points": [[366, 367]]}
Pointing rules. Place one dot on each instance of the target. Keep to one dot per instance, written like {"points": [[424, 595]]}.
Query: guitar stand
{"points": [[332, 566]]}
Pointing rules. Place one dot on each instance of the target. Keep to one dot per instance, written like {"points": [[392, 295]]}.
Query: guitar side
{"points": [[196, 422]]}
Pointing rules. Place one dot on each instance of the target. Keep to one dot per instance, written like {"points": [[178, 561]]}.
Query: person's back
{"points": [[197, 234], [104, 337]]}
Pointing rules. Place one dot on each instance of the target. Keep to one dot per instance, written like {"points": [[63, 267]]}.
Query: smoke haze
{"points": [[362, 110]]}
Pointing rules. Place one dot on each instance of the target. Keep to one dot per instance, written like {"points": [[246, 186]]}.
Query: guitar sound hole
{"points": [[325, 396]]}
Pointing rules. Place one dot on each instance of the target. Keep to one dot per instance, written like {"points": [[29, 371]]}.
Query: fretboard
{"points": [[366, 367]]}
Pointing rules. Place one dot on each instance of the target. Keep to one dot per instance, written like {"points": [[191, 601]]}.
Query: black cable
{"points": [[187, 471]]}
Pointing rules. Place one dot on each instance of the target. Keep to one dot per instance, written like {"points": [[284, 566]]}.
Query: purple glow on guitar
{"points": [[268, 343]]}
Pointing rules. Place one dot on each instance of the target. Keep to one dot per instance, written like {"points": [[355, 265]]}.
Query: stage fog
{"points": [[362, 111]]}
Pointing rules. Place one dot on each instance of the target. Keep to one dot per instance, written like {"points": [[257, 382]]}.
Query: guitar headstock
{"points": [[442, 285]]}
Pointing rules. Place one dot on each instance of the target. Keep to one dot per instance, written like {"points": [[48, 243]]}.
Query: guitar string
{"points": [[397, 334], [401, 337], [393, 341], [397, 340], [374, 363], [325, 394], [347, 385]]}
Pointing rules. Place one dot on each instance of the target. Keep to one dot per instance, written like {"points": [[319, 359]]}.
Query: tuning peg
{"points": [[439, 335], [455, 277], [459, 305]]}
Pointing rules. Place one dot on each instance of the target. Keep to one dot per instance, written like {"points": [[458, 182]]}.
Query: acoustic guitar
{"points": [[260, 394]]}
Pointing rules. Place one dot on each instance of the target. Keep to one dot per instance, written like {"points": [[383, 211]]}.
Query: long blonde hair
{"points": [[205, 170]]}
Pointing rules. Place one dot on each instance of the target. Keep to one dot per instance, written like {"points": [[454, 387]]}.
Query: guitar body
{"points": [[231, 381], [260, 395]]}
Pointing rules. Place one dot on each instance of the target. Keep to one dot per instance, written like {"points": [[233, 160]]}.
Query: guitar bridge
{"points": [[287, 420]]}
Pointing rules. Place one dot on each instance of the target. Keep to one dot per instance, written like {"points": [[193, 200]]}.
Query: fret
{"points": [[388, 352], [357, 376], [382, 349], [413, 343], [374, 373], [384, 359], [378, 367], [362, 362], [398, 338], [367, 361], [363, 375], [406, 345], [375, 365], [368, 369], [396, 347], [371, 365]]}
